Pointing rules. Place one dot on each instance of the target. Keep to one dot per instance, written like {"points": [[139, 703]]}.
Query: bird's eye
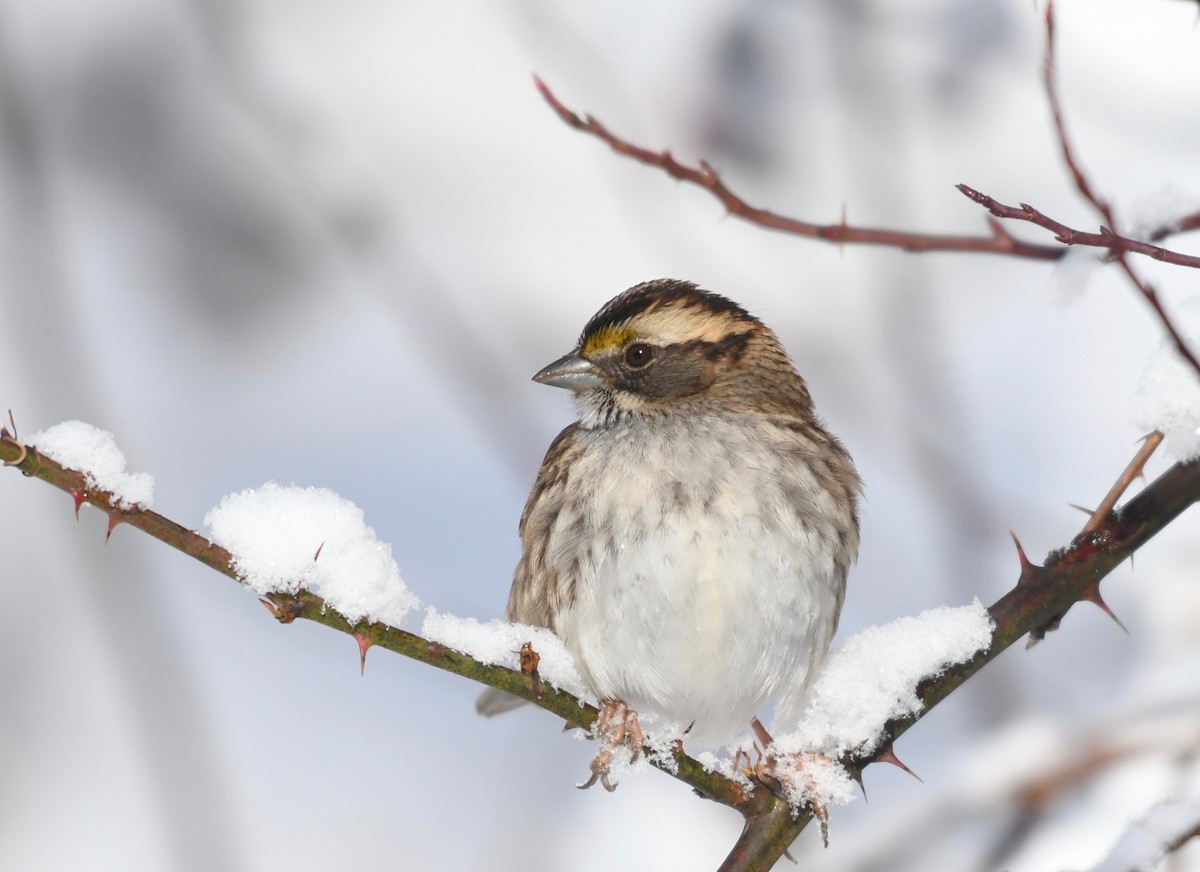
{"points": [[638, 355]]}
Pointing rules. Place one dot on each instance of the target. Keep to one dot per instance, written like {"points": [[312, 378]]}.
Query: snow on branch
{"points": [[497, 643], [871, 679], [288, 539], [1042, 595], [94, 453]]}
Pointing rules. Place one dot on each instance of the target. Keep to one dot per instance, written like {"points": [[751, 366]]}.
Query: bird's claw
{"points": [[782, 777], [617, 725], [600, 772]]}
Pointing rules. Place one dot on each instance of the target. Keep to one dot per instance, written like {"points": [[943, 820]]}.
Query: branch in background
{"points": [[1041, 597], [1018, 797], [1106, 238], [1000, 241], [1102, 206], [704, 176], [1060, 129]]}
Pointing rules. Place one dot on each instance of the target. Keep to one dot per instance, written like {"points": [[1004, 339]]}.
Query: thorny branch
{"points": [[286, 608], [1043, 594]]}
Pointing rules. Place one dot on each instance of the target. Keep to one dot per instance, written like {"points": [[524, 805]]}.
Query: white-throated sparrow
{"points": [[688, 537]]}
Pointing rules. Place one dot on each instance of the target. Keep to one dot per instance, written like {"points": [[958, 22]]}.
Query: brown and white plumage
{"points": [[689, 537]]}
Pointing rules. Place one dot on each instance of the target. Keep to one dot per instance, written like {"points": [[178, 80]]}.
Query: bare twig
{"points": [[705, 176], [1105, 238], [1000, 241], [1102, 206], [1131, 473], [1077, 175]]}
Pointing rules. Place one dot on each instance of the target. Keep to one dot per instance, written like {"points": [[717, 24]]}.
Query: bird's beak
{"points": [[571, 372]]}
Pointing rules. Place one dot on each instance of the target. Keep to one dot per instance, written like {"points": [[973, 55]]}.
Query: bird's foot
{"points": [[617, 725], [793, 776], [789, 777]]}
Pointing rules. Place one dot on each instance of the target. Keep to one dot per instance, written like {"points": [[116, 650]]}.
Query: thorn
{"points": [[318, 554], [858, 779], [1092, 595], [1086, 511], [364, 643], [285, 615], [1026, 563], [887, 755], [113, 520], [78, 497], [12, 421]]}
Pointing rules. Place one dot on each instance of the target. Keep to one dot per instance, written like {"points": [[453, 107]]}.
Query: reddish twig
{"points": [[1000, 241], [1102, 206], [705, 176], [1105, 238], [1060, 127]]}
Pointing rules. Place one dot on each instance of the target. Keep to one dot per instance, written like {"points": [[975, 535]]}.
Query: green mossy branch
{"points": [[1041, 597], [309, 606]]}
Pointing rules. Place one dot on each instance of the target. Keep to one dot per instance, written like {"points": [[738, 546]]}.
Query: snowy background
{"points": [[328, 244]]}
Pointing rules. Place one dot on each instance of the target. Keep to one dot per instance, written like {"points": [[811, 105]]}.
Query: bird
{"points": [[689, 536]]}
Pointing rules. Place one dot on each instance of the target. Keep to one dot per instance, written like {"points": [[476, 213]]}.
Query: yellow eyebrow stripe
{"points": [[613, 335]]}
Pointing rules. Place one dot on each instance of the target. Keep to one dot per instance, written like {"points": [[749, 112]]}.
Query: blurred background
{"points": [[329, 243]]}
